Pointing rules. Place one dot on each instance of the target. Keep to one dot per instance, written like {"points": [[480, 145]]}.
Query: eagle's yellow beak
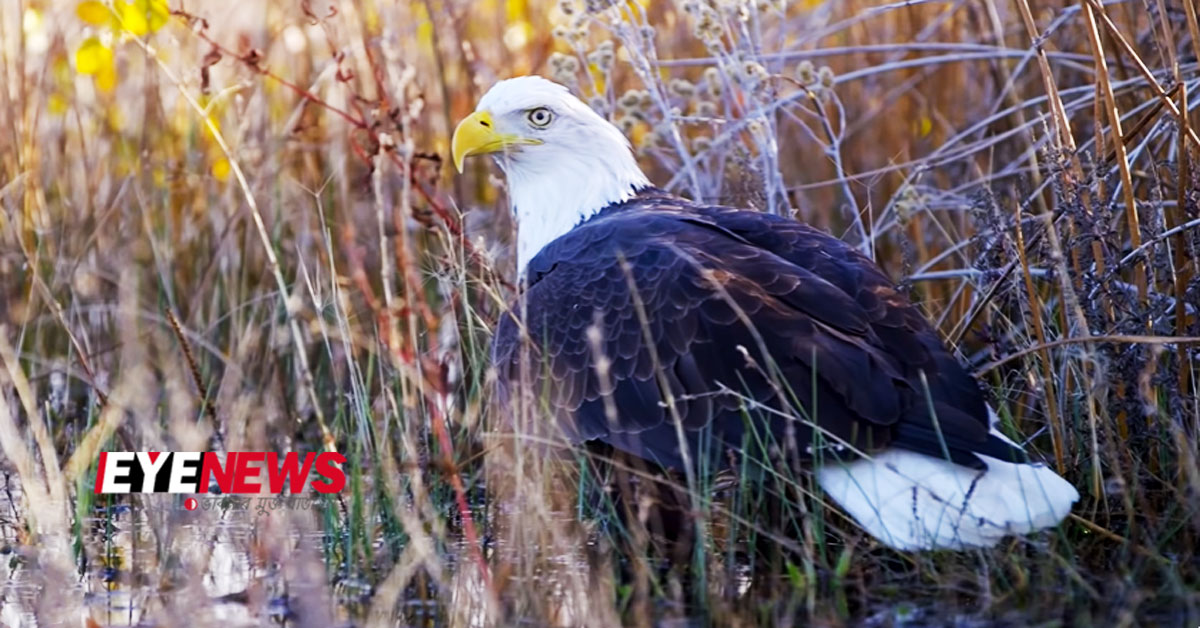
{"points": [[477, 135]]}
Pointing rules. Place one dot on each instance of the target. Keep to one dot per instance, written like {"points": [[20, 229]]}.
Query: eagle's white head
{"points": [[563, 161]]}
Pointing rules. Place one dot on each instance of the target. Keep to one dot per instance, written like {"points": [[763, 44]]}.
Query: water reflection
{"points": [[147, 561], [151, 562]]}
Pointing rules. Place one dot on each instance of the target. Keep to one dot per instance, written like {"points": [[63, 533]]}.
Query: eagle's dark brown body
{"points": [[758, 326]]}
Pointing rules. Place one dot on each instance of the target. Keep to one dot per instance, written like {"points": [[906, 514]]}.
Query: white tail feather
{"points": [[911, 501]]}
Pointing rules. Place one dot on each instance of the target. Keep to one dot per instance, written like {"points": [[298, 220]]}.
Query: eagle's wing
{"points": [[747, 329]]}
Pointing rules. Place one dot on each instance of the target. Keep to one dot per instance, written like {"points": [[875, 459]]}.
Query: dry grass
{"points": [[242, 235]]}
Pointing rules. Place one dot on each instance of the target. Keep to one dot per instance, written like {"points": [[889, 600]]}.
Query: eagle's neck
{"points": [[551, 198]]}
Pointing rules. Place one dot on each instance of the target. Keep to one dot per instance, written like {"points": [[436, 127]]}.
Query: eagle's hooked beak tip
{"points": [[475, 134]]}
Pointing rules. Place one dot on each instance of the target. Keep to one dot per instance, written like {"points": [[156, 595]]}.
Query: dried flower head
{"points": [[650, 140], [558, 60], [626, 124], [738, 10], [751, 75], [806, 73], [596, 6], [630, 100], [713, 81], [707, 25], [563, 68], [826, 77], [682, 88], [602, 57], [647, 101]]}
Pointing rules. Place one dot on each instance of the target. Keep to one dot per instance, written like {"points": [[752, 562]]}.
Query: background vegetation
{"points": [[230, 225]]}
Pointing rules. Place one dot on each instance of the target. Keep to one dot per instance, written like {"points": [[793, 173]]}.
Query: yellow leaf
{"points": [[157, 13], [515, 10], [106, 78], [924, 126], [132, 19], [92, 57], [371, 18], [94, 13], [57, 104], [221, 169], [61, 67], [142, 17], [425, 32]]}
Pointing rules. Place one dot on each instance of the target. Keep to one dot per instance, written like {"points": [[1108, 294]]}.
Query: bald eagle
{"points": [[679, 332]]}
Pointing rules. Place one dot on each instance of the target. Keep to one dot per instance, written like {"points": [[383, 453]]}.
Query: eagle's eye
{"points": [[540, 117]]}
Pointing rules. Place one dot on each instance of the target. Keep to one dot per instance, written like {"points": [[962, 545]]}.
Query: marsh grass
{"points": [[240, 234]]}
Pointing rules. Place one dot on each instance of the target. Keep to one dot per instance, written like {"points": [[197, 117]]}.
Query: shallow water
{"points": [[151, 562], [137, 564]]}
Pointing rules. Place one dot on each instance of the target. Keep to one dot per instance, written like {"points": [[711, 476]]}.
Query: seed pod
{"points": [[713, 81], [630, 99], [806, 73], [626, 124], [645, 102], [650, 140], [682, 88], [826, 77], [602, 59], [558, 60], [752, 74]]}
